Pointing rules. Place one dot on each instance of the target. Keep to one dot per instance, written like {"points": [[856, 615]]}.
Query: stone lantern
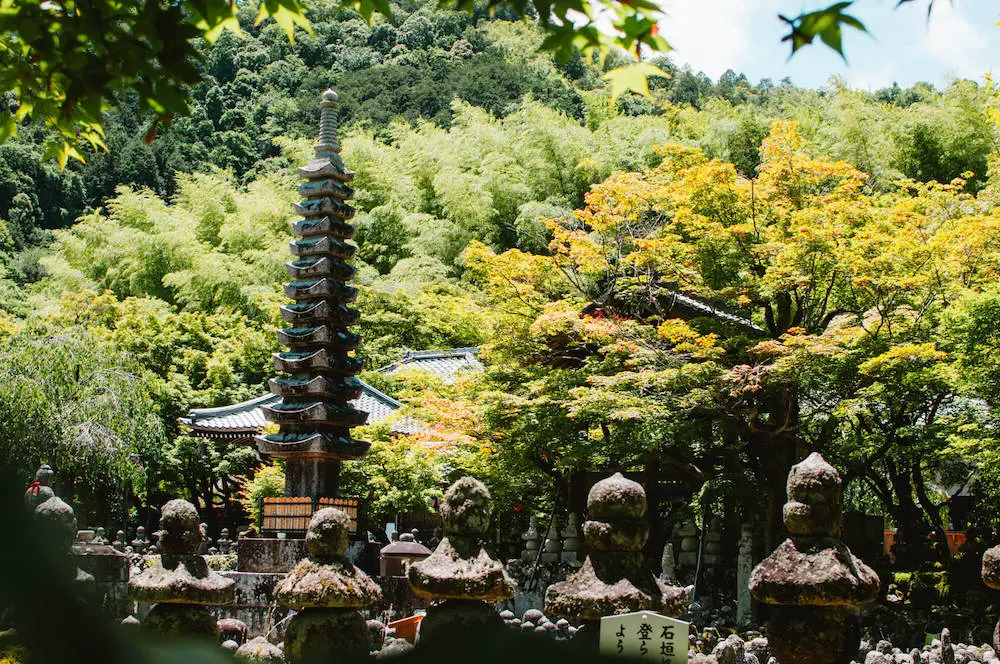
{"points": [[812, 578], [460, 571], [613, 579], [327, 590], [183, 586], [396, 557]]}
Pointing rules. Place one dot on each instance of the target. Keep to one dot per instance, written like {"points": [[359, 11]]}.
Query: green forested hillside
{"points": [[491, 180]]}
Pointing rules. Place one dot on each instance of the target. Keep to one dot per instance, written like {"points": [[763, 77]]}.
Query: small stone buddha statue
{"points": [[460, 571], [40, 490], [327, 590], [812, 578], [183, 586], [613, 579]]}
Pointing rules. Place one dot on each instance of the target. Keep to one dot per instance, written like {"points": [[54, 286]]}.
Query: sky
{"points": [[960, 40]]}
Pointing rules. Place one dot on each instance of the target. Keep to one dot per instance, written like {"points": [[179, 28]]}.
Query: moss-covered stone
{"points": [[326, 635], [460, 568], [181, 620], [812, 577], [613, 579]]}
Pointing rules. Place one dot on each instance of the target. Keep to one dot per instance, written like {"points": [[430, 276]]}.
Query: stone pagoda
{"points": [[812, 578], [314, 416]]}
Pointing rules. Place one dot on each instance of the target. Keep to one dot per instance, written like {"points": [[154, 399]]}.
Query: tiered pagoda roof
{"points": [[315, 413]]}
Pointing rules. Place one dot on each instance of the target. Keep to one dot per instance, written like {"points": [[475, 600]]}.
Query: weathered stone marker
{"points": [[327, 591], [57, 520], [645, 635], [991, 577], [460, 571], [812, 577], [613, 579], [744, 568], [183, 586]]}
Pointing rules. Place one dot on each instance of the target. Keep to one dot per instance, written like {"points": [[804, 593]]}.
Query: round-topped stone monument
{"points": [[57, 521], [182, 586], [460, 571], [327, 591], [812, 578], [613, 579]]}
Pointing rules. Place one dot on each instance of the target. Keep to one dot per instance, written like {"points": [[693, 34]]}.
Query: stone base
{"points": [[570, 557], [254, 603], [269, 555], [813, 634], [326, 635], [458, 618], [110, 570], [181, 621], [687, 559], [399, 596]]}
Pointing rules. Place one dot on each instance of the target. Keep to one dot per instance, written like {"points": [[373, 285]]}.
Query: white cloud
{"points": [[874, 79], [957, 45], [713, 35]]}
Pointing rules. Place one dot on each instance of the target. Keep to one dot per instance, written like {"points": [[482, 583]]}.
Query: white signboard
{"points": [[645, 635]]}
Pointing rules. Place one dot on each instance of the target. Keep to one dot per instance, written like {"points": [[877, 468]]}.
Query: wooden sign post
{"points": [[645, 635]]}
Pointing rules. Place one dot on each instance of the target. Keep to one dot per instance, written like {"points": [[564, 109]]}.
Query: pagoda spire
{"points": [[314, 415]]}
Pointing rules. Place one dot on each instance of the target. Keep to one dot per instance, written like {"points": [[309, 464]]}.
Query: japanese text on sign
{"points": [[645, 635]]}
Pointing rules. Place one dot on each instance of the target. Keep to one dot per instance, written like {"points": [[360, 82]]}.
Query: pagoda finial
{"points": [[328, 123]]}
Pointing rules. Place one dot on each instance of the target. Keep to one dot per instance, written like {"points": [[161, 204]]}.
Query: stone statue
{"points": [[613, 579], [40, 490], [668, 570], [140, 542], [183, 586], [225, 544], [812, 577], [460, 571], [326, 590]]}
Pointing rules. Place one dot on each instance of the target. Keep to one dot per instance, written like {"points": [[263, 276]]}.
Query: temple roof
{"points": [[242, 421], [245, 420], [446, 364]]}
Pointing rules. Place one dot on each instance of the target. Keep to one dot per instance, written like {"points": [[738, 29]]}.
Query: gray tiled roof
{"points": [[706, 309], [244, 420], [248, 419], [447, 364]]}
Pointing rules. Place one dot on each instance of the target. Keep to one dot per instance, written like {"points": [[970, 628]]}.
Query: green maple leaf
{"points": [[634, 78], [287, 14]]}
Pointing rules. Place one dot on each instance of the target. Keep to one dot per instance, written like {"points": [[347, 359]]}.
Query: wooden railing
{"points": [[292, 515]]}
